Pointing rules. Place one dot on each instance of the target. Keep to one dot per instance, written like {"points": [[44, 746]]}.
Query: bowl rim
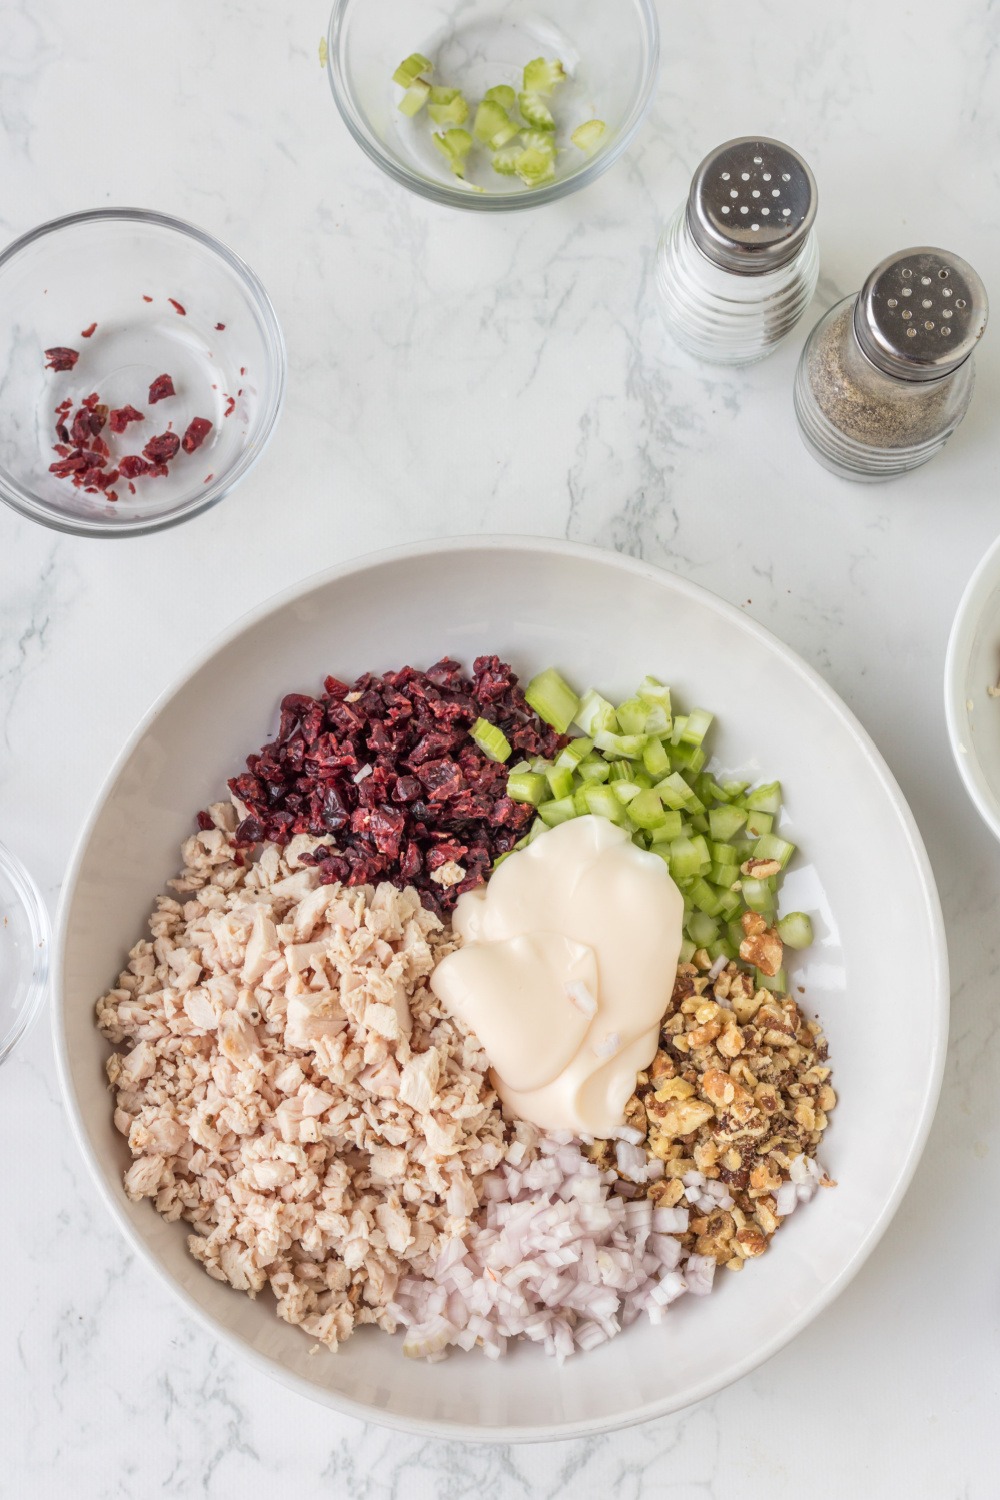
{"points": [[931, 915], [25, 503], [985, 578], [455, 197], [40, 928]]}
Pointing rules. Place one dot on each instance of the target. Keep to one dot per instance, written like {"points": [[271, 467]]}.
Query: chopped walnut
{"points": [[761, 945]]}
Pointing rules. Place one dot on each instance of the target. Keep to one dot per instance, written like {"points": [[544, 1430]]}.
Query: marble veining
{"points": [[449, 374]]}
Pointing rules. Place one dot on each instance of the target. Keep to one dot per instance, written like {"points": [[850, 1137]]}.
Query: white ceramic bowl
{"points": [[972, 665], [604, 619]]}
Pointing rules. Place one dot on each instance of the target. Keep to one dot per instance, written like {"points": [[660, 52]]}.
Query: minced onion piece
{"points": [[581, 997], [609, 1044]]}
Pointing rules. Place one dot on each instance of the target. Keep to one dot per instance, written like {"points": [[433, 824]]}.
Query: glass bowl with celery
{"points": [[492, 106]]}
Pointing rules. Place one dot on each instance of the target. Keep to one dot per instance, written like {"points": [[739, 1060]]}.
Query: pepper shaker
{"points": [[738, 262], [887, 375]]}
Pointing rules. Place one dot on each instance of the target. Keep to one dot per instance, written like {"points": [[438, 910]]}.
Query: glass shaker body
{"points": [[725, 317], [861, 422]]}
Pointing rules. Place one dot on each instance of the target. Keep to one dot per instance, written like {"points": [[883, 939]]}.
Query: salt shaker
{"points": [[738, 262], [887, 375]]}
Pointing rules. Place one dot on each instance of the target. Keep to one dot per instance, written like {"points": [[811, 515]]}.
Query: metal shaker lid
{"points": [[921, 313], [752, 203]]}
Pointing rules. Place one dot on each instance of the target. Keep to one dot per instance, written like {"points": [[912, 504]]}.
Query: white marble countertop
{"points": [[450, 373]]}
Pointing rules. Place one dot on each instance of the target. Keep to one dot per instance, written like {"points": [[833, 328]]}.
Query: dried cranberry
{"points": [[60, 358], [197, 432], [220, 327], [205, 821], [89, 332], [178, 307], [230, 405], [145, 298], [160, 450], [132, 466], [160, 389], [121, 416]]}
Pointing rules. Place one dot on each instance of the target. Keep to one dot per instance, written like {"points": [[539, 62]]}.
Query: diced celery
{"points": [[723, 854], [593, 769], [772, 982], [539, 140], [672, 827], [561, 781], [771, 847], [542, 75], [688, 757], [505, 160], [493, 126], [759, 823], [721, 948], [576, 751], [699, 823], [502, 94], [658, 720], [535, 111], [766, 798], [730, 902], [735, 933], [410, 68], [674, 792], [604, 804], [686, 859], [527, 786], [541, 765], [709, 790], [447, 107], [688, 950], [620, 770], [698, 723], [595, 713], [655, 758], [535, 167], [680, 720], [726, 821], [701, 928], [536, 830], [632, 716], [415, 98], [559, 811], [734, 789], [796, 930], [455, 145], [759, 896], [723, 875], [491, 740], [701, 895], [652, 690], [588, 135], [580, 802], [625, 791], [647, 810], [553, 699], [629, 746]]}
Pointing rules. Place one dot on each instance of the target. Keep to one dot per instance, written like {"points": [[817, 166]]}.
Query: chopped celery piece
{"points": [[771, 847], [655, 758], [721, 948], [455, 145], [658, 719], [777, 981], [561, 781], [730, 902], [553, 699], [625, 791], [535, 167], [505, 160], [539, 140], [493, 126], [580, 802], [699, 721], [411, 67], [734, 929], [672, 827], [535, 111], [647, 810], [699, 823], [701, 928], [796, 930], [723, 854], [723, 875], [447, 107], [595, 712], [689, 757], [541, 75], [526, 786], [619, 770], [541, 765], [704, 898], [502, 94], [759, 896], [709, 790], [688, 950], [686, 859], [536, 830], [643, 779], [587, 135], [604, 804], [559, 811], [725, 822], [734, 789], [766, 798], [759, 823], [680, 720], [632, 716], [415, 98], [576, 751], [651, 690], [674, 791], [491, 740], [593, 769], [629, 746]]}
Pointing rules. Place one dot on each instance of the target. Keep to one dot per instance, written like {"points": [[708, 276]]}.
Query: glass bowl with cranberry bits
{"points": [[142, 371]]}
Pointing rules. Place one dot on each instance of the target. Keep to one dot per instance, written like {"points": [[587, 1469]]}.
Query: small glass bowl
{"points": [[610, 49], [166, 298], [24, 952]]}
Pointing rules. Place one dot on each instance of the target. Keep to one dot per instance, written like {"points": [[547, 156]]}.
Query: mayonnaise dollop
{"points": [[567, 965]]}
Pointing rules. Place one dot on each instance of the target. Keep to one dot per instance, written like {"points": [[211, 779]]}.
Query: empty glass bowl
{"points": [[609, 48], [24, 952], [134, 295]]}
